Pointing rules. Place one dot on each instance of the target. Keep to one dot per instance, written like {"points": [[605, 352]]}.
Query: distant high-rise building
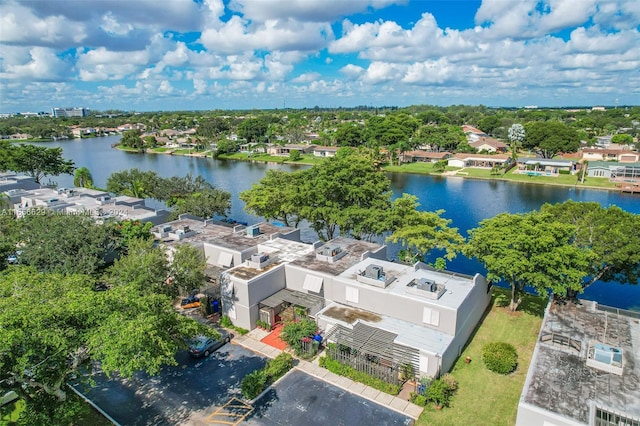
{"points": [[68, 112]]}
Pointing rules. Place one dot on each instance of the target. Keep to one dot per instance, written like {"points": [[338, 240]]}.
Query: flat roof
{"points": [[354, 249], [280, 249], [240, 241], [205, 230], [559, 380], [457, 286], [408, 334]]}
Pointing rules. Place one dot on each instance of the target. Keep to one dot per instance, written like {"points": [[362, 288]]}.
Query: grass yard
{"points": [[418, 168], [484, 397]]}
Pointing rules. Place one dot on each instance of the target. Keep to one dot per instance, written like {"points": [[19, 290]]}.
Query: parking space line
{"points": [[232, 412]]}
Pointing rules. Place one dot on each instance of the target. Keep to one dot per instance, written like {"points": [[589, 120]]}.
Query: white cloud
{"points": [[306, 10], [239, 35], [35, 64], [352, 71], [307, 77]]}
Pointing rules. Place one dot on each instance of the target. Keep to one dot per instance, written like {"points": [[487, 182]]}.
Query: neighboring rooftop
{"points": [[251, 236], [354, 250], [203, 230], [9, 181], [559, 379]]}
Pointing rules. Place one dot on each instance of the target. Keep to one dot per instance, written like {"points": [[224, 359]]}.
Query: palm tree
{"points": [[82, 178]]}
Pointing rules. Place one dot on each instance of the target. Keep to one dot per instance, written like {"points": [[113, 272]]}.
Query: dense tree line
{"points": [[35, 161], [56, 324]]}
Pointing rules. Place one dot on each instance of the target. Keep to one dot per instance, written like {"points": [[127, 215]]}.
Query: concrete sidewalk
{"points": [[392, 402]]}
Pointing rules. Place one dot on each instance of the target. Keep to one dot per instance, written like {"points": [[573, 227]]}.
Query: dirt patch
{"points": [[350, 315]]}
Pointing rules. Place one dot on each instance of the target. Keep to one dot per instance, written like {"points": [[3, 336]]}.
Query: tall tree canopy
{"points": [[82, 178], [530, 249], [610, 232], [65, 244], [276, 196], [551, 137], [134, 183], [421, 231], [35, 161], [253, 129], [55, 326], [340, 192]]}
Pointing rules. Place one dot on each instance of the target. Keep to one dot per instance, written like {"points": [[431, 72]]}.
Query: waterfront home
{"points": [[325, 151], [585, 368], [473, 134], [285, 150], [623, 156], [535, 166], [485, 161], [419, 156], [616, 172]]}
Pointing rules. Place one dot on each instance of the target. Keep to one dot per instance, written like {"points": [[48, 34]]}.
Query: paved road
{"points": [[171, 397], [300, 399]]}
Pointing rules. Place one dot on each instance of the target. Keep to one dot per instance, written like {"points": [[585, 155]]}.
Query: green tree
{"points": [[82, 178], [276, 196], [132, 139], [253, 129], [130, 230], [550, 138], [205, 203], [348, 134], [55, 327], [9, 240], [530, 249], [419, 232], [611, 233], [622, 139], [187, 268], [65, 244], [339, 192], [36, 161], [134, 183], [145, 267], [294, 155]]}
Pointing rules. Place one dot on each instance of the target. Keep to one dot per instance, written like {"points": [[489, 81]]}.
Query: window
{"points": [[431, 316], [352, 294]]}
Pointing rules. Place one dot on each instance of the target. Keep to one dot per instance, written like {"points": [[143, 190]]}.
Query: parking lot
{"points": [[300, 399], [177, 392]]}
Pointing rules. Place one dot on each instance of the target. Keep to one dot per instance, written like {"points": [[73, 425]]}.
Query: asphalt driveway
{"points": [[177, 392], [300, 399]]}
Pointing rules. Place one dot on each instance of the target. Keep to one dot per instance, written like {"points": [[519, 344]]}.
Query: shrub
{"points": [[500, 357], [358, 376], [294, 332], [418, 399], [278, 367], [450, 382], [253, 383], [439, 393]]}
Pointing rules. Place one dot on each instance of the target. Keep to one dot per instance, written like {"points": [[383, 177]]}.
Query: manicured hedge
{"points": [[255, 382], [500, 357]]}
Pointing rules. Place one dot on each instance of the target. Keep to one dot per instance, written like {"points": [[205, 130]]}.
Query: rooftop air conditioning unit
{"points": [[330, 250], [259, 257], [427, 285], [253, 231], [186, 229], [373, 271]]}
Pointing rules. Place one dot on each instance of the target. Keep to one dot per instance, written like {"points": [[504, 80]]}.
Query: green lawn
{"points": [[309, 159], [419, 168], [483, 397]]}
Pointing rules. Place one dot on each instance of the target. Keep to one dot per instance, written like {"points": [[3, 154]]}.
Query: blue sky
{"points": [[148, 55]]}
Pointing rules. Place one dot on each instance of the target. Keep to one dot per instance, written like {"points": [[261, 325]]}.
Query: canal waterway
{"points": [[465, 201]]}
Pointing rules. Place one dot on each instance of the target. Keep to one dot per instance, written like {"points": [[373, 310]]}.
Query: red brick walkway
{"points": [[273, 338]]}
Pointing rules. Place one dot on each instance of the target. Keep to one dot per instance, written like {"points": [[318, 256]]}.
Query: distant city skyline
{"points": [[152, 55]]}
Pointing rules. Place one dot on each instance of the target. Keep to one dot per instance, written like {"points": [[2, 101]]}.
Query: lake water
{"points": [[465, 201]]}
